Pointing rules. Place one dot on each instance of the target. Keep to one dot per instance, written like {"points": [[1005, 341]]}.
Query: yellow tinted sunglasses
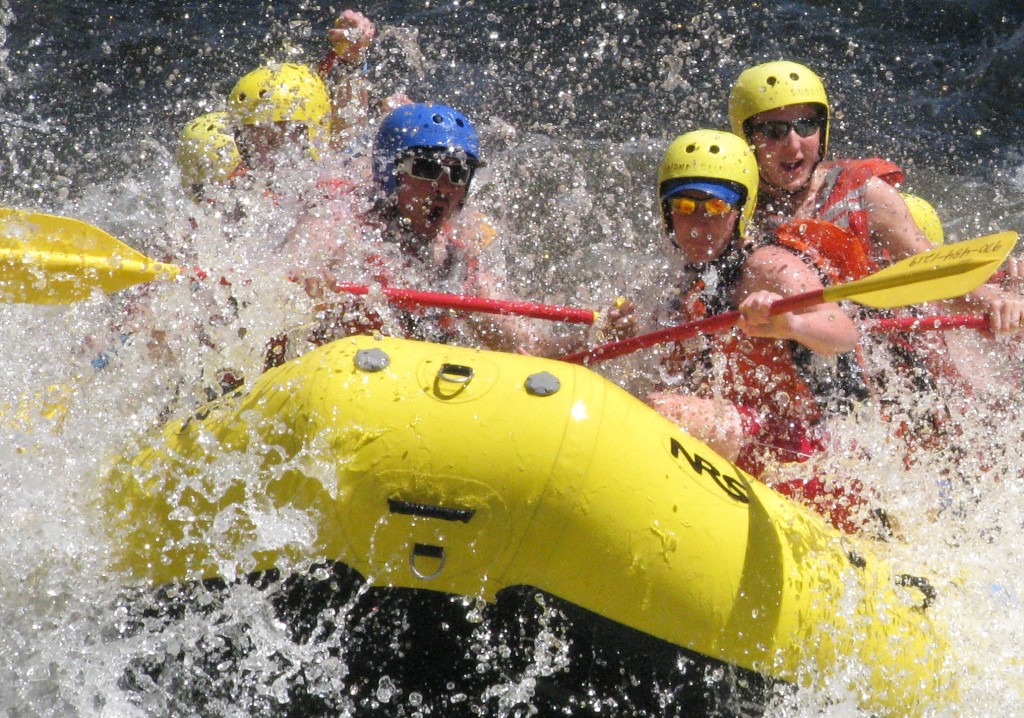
{"points": [[713, 207]]}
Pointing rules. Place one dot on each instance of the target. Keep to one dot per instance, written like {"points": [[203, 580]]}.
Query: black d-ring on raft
{"points": [[921, 584], [455, 373], [452, 380], [428, 551]]}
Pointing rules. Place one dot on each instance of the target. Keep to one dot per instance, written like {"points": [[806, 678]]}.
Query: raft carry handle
{"points": [[430, 511]]}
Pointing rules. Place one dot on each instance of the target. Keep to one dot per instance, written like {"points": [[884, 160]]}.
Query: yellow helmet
{"points": [[774, 85], [713, 156], [206, 150], [926, 217], [284, 92]]}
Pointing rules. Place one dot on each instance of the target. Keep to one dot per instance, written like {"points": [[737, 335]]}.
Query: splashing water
{"points": [[575, 102]]}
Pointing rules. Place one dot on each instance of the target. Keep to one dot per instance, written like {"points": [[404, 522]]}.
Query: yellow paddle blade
{"points": [[945, 272], [46, 259]]}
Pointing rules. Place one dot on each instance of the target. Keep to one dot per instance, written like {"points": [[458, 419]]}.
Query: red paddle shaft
{"points": [[414, 297], [927, 324], [707, 325]]}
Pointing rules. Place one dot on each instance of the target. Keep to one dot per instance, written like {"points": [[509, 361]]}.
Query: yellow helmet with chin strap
{"points": [[926, 218], [206, 150], [771, 86], [711, 157], [284, 92]]}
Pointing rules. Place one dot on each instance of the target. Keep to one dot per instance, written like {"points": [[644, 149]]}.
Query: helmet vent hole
{"points": [[714, 149], [793, 76], [771, 81], [460, 123], [437, 119], [691, 148]]}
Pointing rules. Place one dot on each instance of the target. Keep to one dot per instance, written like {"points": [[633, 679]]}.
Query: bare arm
{"points": [[1005, 310], [504, 332], [895, 231], [715, 422], [478, 237], [892, 227], [772, 273], [350, 40]]}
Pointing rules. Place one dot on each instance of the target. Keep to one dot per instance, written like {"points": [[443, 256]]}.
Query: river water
{"points": [[575, 102]]}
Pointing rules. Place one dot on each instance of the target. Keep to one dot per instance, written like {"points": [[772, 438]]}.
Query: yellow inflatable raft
{"points": [[467, 472]]}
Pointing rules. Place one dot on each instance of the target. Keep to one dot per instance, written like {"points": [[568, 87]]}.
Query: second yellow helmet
{"points": [[713, 156], [771, 86], [926, 217], [285, 92], [206, 150]]}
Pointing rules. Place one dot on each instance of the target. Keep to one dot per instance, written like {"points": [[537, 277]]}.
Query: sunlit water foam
{"points": [[66, 649]]}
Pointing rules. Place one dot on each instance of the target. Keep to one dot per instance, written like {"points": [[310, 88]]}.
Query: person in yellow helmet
{"points": [[206, 152], [283, 105], [782, 109], [279, 106], [926, 218], [726, 390]]}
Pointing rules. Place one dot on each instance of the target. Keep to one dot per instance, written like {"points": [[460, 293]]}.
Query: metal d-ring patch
{"points": [[452, 380], [455, 373], [426, 551], [372, 360]]}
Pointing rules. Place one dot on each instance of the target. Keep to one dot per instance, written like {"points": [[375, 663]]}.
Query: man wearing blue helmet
{"points": [[424, 158], [411, 229]]}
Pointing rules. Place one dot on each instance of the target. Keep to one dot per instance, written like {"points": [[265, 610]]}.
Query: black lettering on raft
{"points": [[731, 485]]}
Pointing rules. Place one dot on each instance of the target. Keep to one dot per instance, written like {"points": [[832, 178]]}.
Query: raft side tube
{"points": [[468, 472]]}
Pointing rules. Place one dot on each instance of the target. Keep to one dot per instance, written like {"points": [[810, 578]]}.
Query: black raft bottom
{"points": [[326, 644]]}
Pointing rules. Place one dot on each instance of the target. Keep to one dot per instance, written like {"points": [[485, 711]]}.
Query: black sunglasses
{"points": [[429, 168], [777, 129]]}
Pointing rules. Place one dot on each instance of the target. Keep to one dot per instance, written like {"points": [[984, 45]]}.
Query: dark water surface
{"points": [[931, 84]]}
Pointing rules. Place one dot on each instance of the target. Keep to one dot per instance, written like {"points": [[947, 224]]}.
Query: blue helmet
{"points": [[420, 126]]}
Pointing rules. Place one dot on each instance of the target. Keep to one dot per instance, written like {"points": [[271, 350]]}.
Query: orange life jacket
{"points": [[780, 383], [845, 205], [844, 194]]}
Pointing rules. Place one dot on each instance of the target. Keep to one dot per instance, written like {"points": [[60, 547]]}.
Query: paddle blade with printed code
{"points": [[942, 273]]}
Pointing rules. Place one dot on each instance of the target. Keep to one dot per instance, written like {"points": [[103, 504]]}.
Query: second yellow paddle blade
{"points": [[941, 273]]}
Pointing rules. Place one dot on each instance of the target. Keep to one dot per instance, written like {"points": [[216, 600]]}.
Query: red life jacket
{"points": [[845, 205], [840, 257], [836, 252], [885, 170]]}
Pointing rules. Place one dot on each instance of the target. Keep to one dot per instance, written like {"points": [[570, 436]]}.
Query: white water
{"points": [[571, 242]]}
